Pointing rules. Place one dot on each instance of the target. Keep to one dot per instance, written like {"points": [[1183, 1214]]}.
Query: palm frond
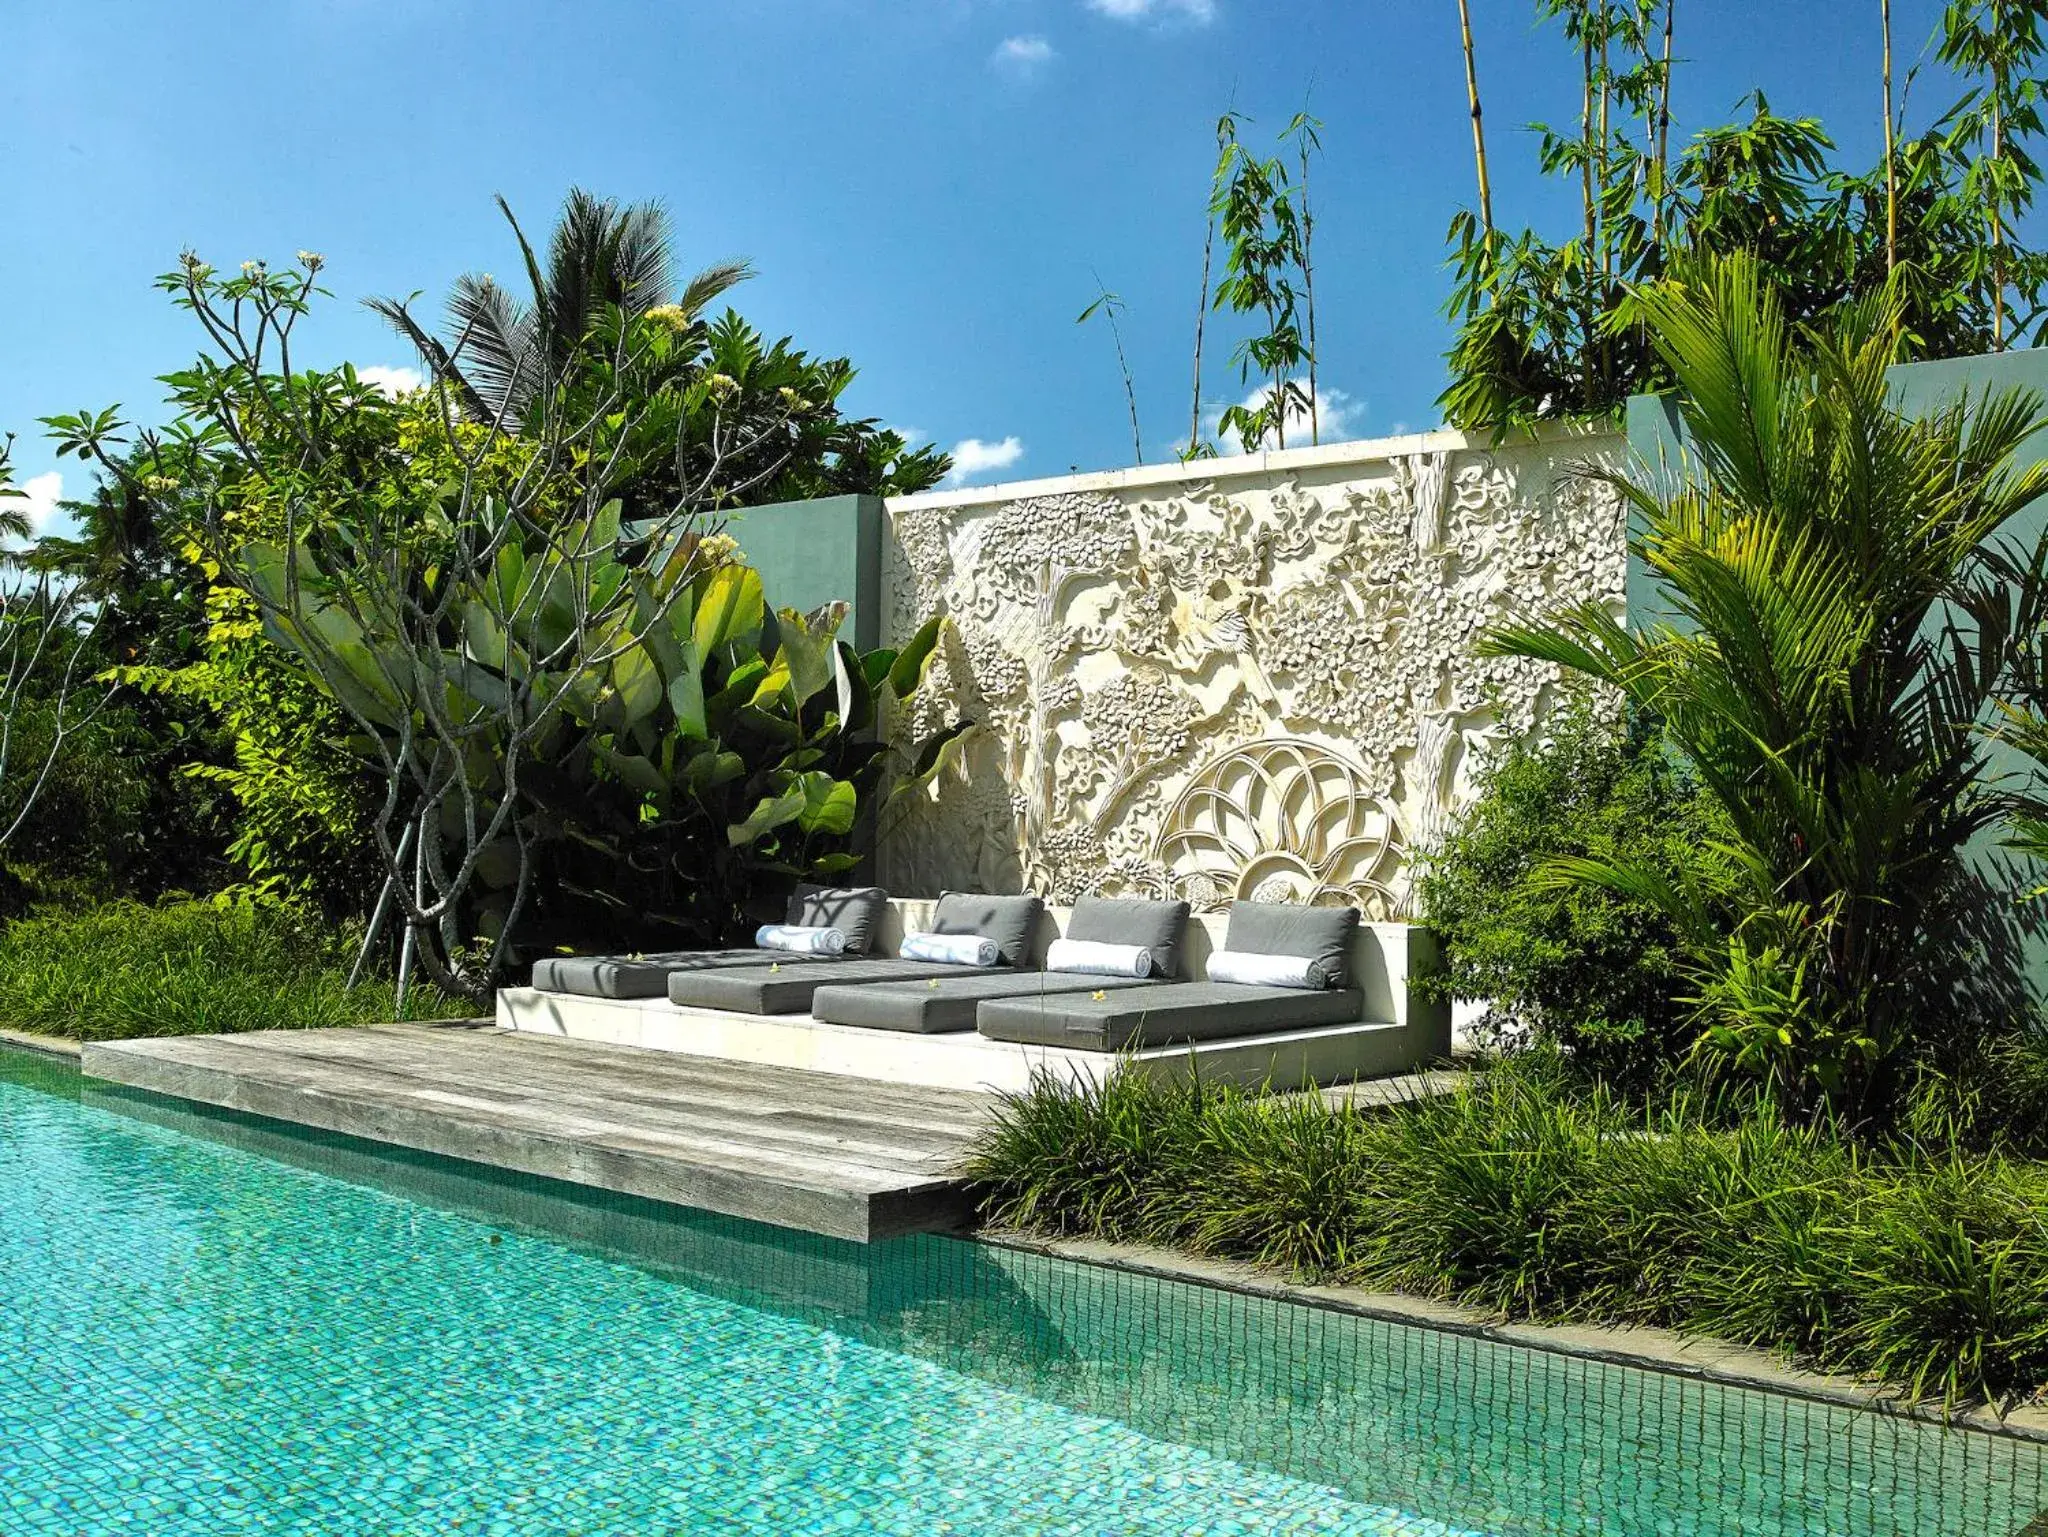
{"points": [[396, 313], [710, 283], [495, 345]]}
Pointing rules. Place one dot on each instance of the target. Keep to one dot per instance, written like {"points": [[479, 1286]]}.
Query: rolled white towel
{"points": [[1098, 959], [1256, 970], [799, 940], [952, 949]]}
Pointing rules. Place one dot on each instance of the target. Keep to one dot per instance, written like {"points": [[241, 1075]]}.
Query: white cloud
{"points": [[38, 501], [1336, 415], [1023, 56], [973, 458], [391, 381], [1200, 12]]}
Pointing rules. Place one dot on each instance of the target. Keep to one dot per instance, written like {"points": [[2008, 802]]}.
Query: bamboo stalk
{"points": [[1891, 160], [1308, 278], [1478, 126], [1605, 167], [1663, 131], [1201, 319], [1592, 233], [1998, 68]]}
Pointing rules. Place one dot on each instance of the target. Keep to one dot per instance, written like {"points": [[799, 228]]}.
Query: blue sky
{"points": [[927, 186]]}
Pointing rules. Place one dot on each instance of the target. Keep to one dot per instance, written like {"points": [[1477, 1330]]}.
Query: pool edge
{"points": [[1664, 1351]]}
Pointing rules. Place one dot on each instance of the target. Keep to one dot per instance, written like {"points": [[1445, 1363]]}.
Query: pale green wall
{"points": [[822, 551]]}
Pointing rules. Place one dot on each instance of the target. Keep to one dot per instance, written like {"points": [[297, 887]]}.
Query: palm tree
{"points": [[504, 350], [1842, 624]]}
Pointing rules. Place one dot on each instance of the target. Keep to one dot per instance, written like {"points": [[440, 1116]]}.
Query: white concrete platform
{"points": [[962, 1060], [1400, 1029]]}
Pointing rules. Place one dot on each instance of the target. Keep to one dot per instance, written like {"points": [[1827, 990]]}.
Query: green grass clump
{"points": [[1532, 1194], [124, 969]]}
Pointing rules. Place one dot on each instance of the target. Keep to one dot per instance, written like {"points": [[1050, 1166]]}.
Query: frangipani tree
{"points": [[471, 598]]}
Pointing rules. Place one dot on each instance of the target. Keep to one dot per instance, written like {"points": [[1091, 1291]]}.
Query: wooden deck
{"points": [[825, 1153]]}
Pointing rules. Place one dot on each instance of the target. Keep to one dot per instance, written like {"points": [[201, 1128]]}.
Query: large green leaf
{"points": [[773, 811], [774, 688], [483, 635], [908, 670], [829, 804], [708, 771], [932, 757], [855, 697], [632, 769], [732, 604], [637, 684], [805, 654], [686, 693]]}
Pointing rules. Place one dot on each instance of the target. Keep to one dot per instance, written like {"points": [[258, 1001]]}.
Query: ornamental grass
{"points": [[1534, 1195]]}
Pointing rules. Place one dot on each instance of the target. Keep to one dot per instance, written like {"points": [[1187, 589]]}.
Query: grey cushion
{"points": [[1164, 1016], [1009, 921], [856, 911], [1158, 926], [1323, 934], [788, 990], [634, 976], [938, 1005]]}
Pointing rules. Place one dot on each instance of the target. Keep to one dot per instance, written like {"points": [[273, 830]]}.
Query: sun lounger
{"points": [[1311, 940], [939, 1005], [854, 911], [638, 976], [1008, 923], [1164, 1015], [789, 989]]}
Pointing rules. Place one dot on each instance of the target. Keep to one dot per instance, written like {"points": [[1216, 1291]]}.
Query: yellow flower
{"points": [[1099, 995]]}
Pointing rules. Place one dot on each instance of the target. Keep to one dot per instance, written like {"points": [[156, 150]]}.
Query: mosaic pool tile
{"points": [[212, 1325]]}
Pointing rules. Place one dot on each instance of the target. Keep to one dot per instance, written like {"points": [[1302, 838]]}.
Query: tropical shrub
{"points": [[533, 681], [1838, 633], [1528, 1193], [186, 967], [116, 816], [299, 798], [1593, 970]]}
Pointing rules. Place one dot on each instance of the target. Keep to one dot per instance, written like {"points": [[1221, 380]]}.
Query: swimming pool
{"points": [[212, 1324]]}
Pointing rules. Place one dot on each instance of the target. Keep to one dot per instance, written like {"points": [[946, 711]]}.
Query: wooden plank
{"points": [[467, 1084], [756, 1094], [814, 1151]]}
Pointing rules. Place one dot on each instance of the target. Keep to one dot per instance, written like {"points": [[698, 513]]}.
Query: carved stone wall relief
{"points": [[1253, 686]]}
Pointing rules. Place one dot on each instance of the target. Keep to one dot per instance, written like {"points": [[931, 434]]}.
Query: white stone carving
{"points": [[1257, 681]]}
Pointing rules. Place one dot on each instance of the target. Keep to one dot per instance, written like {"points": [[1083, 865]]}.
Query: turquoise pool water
{"points": [[214, 1325]]}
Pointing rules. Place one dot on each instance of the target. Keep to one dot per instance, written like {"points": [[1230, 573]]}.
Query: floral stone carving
{"points": [[1239, 687]]}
